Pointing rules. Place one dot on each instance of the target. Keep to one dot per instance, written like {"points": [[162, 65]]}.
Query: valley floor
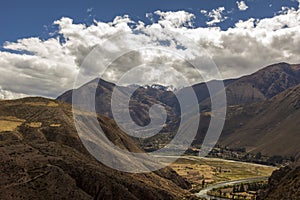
{"points": [[208, 173]]}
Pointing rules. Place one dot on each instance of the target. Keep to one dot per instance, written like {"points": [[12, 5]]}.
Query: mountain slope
{"points": [[271, 127], [42, 156], [259, 86], [253, 119], [141, 100], [263, 84]]}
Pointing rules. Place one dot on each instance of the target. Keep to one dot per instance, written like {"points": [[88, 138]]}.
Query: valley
{"points": [[206, 174], [41, 151], [150, 100], [256, 120], [262, 117]]}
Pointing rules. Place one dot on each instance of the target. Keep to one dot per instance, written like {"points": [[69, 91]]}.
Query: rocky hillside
{"points": [[41, 157], [283, 184], [263, 84], [259, 86]]}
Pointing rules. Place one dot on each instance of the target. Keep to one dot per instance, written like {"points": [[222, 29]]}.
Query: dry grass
{"points": [[52, 104], [216, 170], [195, 173], [9, 123], [55, 125], [49, 104], [35, 124]]}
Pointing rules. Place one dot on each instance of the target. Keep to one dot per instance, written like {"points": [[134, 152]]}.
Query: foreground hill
{"points": [[283, 184], [41, 156]]}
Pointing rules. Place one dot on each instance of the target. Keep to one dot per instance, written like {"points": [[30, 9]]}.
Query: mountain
{"points": [[142, 99], [263, 84], [139, 105], [270, 127], [259, 86], [260, 116], [41, 156]]}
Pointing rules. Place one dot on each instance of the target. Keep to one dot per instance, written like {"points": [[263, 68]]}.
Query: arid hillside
{"points": [[270, 127], [42, 157], [283, 184]]}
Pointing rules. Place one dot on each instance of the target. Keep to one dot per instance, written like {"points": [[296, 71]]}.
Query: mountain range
{"points": [[263, 109]]}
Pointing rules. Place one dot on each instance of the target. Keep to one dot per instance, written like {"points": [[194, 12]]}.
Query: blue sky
{"points": [[19, 19], [44, 43]]}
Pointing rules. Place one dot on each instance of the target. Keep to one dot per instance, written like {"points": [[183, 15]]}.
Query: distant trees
{"points": [[240, 154], [239, 191], [273, 160], [258, 156], [242, 188]]}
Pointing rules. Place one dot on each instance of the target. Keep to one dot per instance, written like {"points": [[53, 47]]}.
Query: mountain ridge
{"points": [[247, 92]]}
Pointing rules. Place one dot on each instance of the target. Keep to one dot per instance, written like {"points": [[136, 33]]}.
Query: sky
{"points": [[43, 44]]}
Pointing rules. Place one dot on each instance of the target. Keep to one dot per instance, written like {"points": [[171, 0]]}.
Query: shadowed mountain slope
{"points": [[263, 84], [283, 184], [271, 127]]}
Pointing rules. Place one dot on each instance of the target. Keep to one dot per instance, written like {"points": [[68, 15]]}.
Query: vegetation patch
{"points": [[9, 123], [34, 124], [55, 125], [246, 191], [203, 172]]}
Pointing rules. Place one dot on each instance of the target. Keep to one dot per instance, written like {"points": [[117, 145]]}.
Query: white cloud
{"points": [[176, 19], [242, 5], [203, 12], [48, 67], [89, 10], [5, 94], [215, 15], [150, 16]]}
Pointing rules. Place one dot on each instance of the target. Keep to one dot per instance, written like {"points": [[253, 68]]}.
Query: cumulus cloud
{"points": [[242, 5], [5, 94], [216, 16], [176, 19], [49, 67]]}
